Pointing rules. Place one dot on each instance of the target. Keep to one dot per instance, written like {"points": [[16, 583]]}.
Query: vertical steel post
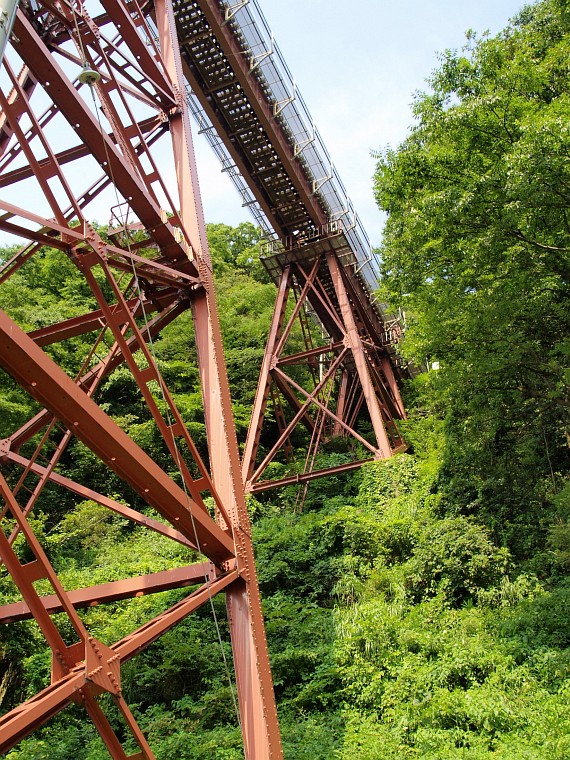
{"points": [[389, 375], [359, 357], [262, 393], [341, 405], [258, 711]]}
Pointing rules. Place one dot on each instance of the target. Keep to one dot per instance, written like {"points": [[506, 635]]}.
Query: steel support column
{"points": [[355, 343], [263, 386], [352, 379], [251, 659], [154, 259]]}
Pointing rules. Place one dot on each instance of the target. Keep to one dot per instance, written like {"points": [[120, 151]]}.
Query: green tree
{"points": [[477, 251], [236, 248]]}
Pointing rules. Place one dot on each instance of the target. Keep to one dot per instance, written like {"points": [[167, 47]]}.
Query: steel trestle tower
{"points": [[317, 253], [103, 98]]}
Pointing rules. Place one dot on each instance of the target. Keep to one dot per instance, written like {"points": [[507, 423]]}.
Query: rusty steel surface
{"points": [[93, 114], [112, 591], [19, 723], [55, 390], [348, 379]]}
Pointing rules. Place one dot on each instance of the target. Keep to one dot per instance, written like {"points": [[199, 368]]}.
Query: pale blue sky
{"points": [[357, 65]]}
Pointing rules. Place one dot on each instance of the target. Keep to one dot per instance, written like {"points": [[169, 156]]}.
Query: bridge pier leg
{"points": [[357, 349], [263, 386], [389, 374], [258, 712]]}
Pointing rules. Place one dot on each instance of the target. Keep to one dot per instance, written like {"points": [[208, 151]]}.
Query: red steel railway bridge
{"points": [[96, 104]]}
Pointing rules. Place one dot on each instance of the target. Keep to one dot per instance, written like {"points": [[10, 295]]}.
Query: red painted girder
{"points": [[40, 420], [24, 575], [106, 731], [27, 83], [86, 323], [357, 349], [151, 270], [357, 403], [388, 370], [264, 382], [260, 728], [321, 302], [292, 480], [303, 357], [169, 428], [148, 633], [51, 170], [46, 226], [23, 720], [114, 506], [388, 391], [293, 401], [18, 230], [182, 272], [17, 108], [380, 382], [17, 260], [36, 492], [68, 155], [141, 52], [145, 61], [311, 398], [46, 69], [56, 391], [296, 309], [114, 591], [341, 401], [146, 753]]}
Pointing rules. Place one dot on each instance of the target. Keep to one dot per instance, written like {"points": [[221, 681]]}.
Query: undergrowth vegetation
{"points": [[394, 630]]}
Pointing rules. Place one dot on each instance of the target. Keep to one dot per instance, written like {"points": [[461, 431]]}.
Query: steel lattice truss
{"points": [[339, 376], [120, 139], [317, 256]]}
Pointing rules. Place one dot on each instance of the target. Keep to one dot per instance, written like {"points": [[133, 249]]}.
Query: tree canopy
{"points": [[477, 251]]}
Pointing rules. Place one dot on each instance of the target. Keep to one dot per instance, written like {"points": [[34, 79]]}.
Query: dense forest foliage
{"points": [[419, 608]]}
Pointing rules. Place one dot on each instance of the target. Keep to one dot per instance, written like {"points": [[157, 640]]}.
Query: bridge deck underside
{"points": [[218, 71]]}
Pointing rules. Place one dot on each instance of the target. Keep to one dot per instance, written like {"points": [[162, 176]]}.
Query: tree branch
{"points": [[518, 234]]}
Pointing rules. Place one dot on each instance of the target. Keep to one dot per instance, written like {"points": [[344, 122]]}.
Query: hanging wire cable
{"points": [[78, 34]]}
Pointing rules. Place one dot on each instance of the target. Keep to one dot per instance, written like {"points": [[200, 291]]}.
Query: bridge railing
{"points": [[268, 65]]}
